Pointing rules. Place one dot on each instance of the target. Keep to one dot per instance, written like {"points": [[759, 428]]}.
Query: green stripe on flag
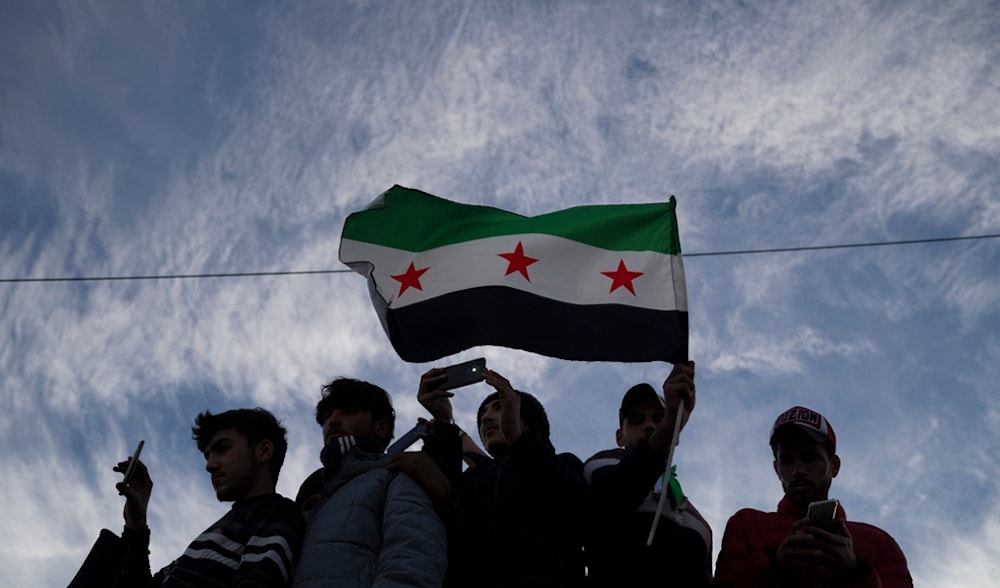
{"points": [[412, 220]]}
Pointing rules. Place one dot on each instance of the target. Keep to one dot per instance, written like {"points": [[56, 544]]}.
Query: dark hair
{"points": [[256, 424], [351, 393], [532, 413]]}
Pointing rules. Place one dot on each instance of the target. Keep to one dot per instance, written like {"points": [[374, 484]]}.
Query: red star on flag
{"points": [[517, 261], [410, 278], [622, 277]]}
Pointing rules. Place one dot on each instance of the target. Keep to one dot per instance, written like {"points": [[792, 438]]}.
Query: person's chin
{"points": [[224, 495], [494, 443], [223, 492], [802, 495]]}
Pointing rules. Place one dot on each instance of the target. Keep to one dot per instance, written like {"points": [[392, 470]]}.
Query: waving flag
{"points": [[596, 283]]}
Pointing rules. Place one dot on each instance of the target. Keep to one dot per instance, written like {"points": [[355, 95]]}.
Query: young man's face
{"points": [[805, 470], [639, 424], [236, 467], [341, 422], [489, 428]]}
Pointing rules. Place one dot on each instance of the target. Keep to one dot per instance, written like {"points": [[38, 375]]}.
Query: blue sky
{"points": [[151, 138]]}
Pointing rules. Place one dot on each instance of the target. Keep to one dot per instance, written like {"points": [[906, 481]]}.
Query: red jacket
{"points": [[746, 558]]}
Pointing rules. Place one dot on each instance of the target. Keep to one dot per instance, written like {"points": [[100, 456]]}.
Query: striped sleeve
{"points": [[255, 545]]}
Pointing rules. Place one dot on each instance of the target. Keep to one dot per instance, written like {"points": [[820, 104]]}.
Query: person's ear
{"points": [[264, 450], [381, 428], [774, 464], [620, 438], [835, 465]]}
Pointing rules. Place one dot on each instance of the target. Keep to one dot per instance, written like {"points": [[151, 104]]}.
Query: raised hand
{"points": [[429, 394], [510, 406], [136, 493], [678, 394]]}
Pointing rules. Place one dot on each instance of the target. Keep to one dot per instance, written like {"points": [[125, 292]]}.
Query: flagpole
{"points": [[665, 488]]}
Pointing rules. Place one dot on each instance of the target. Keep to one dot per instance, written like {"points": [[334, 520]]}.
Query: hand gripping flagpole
{"points": [[665, 487]]}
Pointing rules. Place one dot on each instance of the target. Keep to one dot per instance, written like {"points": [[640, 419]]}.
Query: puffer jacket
{"points": [[372, 527], [752, 537]]}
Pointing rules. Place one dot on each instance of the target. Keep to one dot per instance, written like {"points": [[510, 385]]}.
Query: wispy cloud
{"points": [[167, 139]]}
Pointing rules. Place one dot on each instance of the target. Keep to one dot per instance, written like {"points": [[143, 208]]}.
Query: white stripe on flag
{"points": [[566, 270]]}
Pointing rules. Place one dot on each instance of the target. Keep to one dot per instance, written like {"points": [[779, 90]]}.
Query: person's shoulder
{"points": [[570, 459], [869, 530], [283, 502], [277, 505], [602, 459], [402, 486], [312, 479], [687, 505], [750, 516], [687, 516], [310, 489], [272, 512], [614, 454]]}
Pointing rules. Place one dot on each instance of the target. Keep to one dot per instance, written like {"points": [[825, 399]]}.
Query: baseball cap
{"points": [[808, 421], [636, 395]]}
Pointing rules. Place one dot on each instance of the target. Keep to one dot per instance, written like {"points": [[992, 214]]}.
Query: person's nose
{"points": [[211, 464]]}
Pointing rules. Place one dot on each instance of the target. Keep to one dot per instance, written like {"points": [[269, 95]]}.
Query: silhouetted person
{"points": [[256, 543]]}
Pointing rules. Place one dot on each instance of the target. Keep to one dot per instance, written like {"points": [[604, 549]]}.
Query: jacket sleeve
{"points": [[620, 485], [891, 568], [273, 547], [885, 569], [444, 447], [135, 565], [414, 550]]}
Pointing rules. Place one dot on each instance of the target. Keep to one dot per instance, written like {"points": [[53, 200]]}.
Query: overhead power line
{"points": [[175, 276], [344, 271], [842, 246]]}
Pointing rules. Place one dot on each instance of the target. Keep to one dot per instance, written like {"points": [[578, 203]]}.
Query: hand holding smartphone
{"points": [[463, 374], [135, 489]]}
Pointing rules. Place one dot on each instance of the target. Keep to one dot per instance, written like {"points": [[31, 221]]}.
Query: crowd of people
{"points": [[508, 511]]}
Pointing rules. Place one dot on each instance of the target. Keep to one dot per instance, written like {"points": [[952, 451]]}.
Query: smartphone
{"points": [[463, 374], [822, 514], [131, 462], [407, 439]]}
